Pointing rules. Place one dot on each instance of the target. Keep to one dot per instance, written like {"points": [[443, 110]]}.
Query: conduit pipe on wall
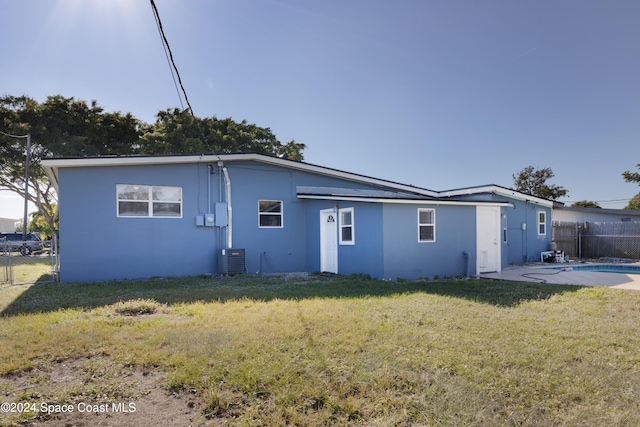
{"points": [[466, 256], [227, 183], [219, 229], [210, 170]]}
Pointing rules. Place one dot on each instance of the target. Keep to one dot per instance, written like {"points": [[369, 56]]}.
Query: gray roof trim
{"points": [[436, 202], [501, 191], [355, 192]]}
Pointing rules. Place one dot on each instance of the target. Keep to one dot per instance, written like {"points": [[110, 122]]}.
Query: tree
{"points": [[632, 176], [59, 127], [177, 131], [629, 176], [534, 182], [38, 224], [585, 204], [634, 203]]}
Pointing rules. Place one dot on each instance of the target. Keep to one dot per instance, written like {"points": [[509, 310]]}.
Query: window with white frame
{"points": [[542, 223], [149, 201], [426, 225], [270, 213], [347, 234]]}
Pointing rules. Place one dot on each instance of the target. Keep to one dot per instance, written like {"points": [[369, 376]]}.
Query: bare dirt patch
{"points": [[97, 392]]}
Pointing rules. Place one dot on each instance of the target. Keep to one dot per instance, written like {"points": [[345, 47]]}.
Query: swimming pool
{"points": [[603, 268]]}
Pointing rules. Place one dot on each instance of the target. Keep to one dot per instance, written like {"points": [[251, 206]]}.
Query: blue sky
{"points": [[438, 94]]}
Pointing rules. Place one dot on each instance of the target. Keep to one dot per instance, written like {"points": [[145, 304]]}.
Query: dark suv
{"points": [[13, 242]]}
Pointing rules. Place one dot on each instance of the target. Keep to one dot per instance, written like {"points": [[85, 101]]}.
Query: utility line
{"points": [[173, 67], [169, 55], [612, 201]]}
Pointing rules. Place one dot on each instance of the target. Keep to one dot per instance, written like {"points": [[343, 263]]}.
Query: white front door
{"points": [[328, 241], [488, 239]]}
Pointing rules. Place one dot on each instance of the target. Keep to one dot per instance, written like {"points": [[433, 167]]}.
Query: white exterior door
{"points": [[488, 239], [329, 241]]}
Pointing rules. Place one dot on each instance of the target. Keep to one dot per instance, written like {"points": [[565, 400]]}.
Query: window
{"points": [[426, 225], [542, 223], [270, 213], [146, 201], [347, 236]]}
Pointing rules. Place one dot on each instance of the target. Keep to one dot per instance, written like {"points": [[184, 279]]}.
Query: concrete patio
{"points": [[546, 274]]}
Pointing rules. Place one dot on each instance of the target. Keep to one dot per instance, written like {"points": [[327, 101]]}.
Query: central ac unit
{"points": [[231, 261]]}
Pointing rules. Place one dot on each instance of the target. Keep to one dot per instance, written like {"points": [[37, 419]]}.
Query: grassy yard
{"points": [[28, 269], [335, 351]]}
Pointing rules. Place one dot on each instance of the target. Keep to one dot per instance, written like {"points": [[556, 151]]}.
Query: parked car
{"points": [[12, 242]]}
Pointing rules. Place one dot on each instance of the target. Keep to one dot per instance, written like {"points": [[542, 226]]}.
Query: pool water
{"points": [[604, 268]]}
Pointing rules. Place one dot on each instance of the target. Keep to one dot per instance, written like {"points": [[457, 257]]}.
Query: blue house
{"points": [[136, 217]]}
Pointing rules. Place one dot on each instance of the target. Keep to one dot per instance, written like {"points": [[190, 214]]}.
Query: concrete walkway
{"points": [[546, 274]]}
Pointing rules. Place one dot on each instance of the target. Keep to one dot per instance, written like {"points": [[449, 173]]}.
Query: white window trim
{"points": [[281, 213], [543, 223], [149, 202], [432, 225], [352, 226]]}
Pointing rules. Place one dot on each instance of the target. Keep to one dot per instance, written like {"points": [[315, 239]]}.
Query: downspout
{"points": [[525, 238], [220, 200], [227, 183], [209, 170]]}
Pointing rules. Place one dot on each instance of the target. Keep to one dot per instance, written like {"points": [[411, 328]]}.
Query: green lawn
{"points": [[27, 269], [347, 350]]}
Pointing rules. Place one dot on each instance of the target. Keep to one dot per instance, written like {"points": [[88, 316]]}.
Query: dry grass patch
{"points": [[137, 307]]}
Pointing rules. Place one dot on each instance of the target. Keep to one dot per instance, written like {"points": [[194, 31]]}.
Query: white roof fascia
{"points": [[498, 190], [51, 169], [52, 175], [404, 201], [51, 166]]}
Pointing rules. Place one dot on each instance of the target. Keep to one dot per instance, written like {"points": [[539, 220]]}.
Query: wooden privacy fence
{"points": [[598, 239]]}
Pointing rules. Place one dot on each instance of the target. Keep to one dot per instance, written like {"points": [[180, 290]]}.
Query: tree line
{"points": [[68, 127]]}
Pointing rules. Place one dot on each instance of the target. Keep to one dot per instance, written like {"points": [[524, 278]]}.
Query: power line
{"points": [[173, 67], [169, 55], [613, 201]]}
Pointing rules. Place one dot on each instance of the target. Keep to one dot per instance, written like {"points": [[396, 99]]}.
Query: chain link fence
{"points": [[37, 265], [598, 239]]}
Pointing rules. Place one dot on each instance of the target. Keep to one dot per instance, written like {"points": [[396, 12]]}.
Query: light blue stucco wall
{"points": [[267, 250], [525, 245], [97, 245], [522, 245], [406, 257], [366, 255], [296, 246]]}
